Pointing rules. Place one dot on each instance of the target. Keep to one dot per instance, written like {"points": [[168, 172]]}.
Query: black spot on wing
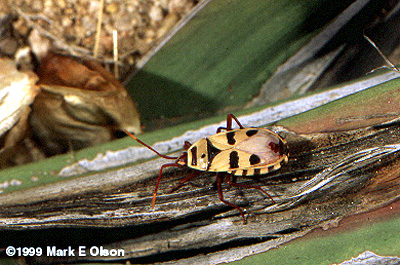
{"points": [[251, 132], [194, 155], [212, 151], [231, 138], [257, 171], [254, 159], [234, 159]]}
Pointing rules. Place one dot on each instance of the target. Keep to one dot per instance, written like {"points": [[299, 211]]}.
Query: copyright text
{"points": [[53, 251]]}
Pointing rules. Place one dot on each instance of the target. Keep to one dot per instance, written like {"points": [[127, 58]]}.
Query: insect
{"points": [[229, 152]]}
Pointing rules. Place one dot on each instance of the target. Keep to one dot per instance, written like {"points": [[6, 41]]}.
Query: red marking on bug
{"points": [[274, 147]]}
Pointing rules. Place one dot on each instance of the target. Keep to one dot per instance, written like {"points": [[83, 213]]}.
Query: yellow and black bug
{"points": [[237, 152]]}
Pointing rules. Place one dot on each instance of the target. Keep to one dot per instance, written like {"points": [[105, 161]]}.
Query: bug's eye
{"points": [[203, 155]]}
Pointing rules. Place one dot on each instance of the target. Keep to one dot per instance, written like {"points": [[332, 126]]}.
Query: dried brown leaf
{"points": [[81, 104]]}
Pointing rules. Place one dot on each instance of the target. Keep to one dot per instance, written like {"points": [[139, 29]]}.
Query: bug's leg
{"points": [[187, 145], [230, 117], [241, 185], [153, 203], [184, 180], [220, 179], [229, 123]]}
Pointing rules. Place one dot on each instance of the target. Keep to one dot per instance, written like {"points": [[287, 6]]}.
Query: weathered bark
{"points": [[329, 176]]}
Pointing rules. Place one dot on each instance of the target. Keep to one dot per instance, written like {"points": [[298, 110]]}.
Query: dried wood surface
{"points": [[329, 176]]}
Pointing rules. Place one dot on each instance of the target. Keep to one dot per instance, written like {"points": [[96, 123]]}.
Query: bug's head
{"points": [[182, 159]]}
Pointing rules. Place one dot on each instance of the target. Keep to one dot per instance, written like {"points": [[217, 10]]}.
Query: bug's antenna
{"points": [[151, 148]]}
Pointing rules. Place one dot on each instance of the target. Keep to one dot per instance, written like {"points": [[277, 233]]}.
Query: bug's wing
{"points": [[246, 149], [224, 140], [225, 161], [236, 160], [266, 145]]}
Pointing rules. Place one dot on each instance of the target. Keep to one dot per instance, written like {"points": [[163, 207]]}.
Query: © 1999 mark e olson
{"points": [[53, 251]]}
